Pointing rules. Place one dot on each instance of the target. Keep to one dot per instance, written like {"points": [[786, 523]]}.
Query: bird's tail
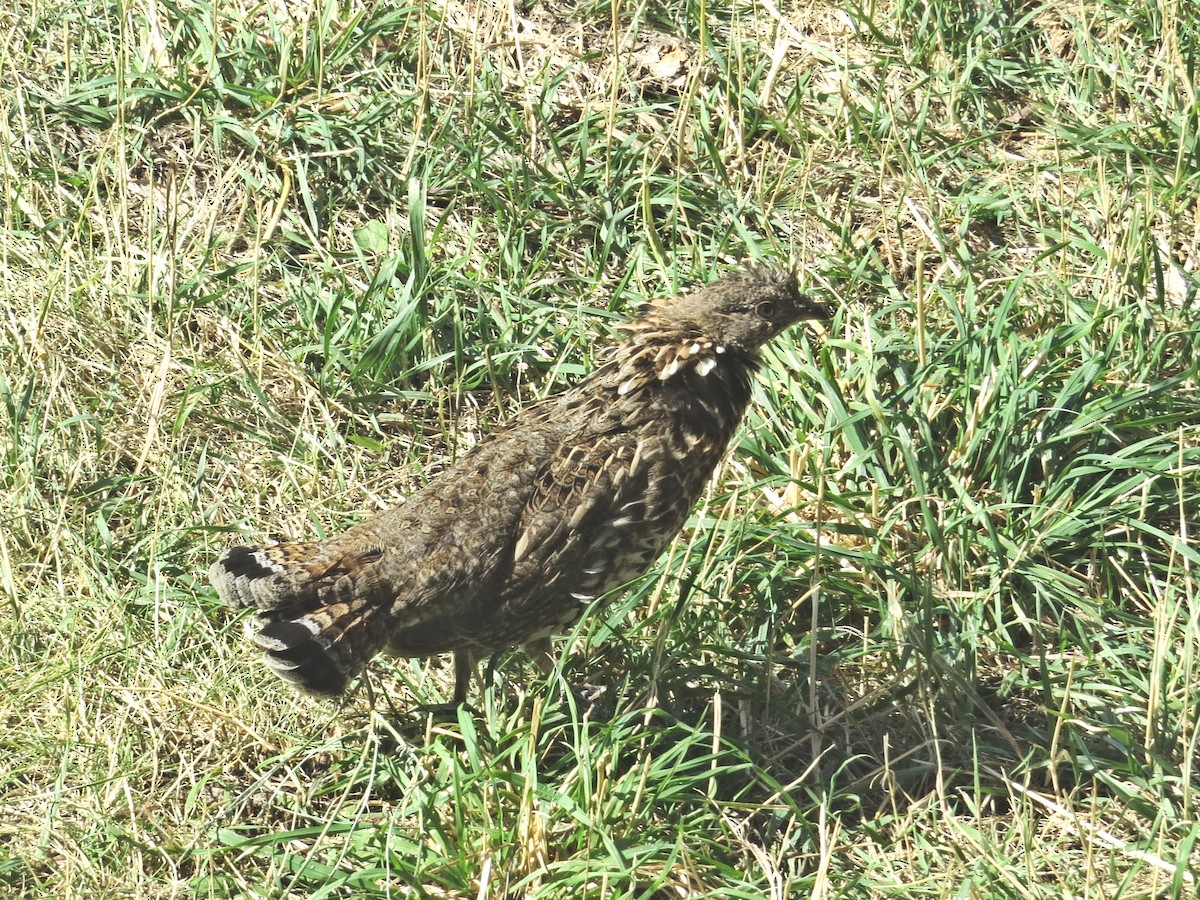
{"points": [[320, 619]]}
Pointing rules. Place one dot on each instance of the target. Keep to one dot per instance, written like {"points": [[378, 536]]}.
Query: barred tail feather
{"points": [[313, 636], [295, 653], [267, 577], [322, 651]]}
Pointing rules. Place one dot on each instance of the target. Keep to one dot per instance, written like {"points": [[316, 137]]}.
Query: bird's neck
{"points": [[684, 365]]}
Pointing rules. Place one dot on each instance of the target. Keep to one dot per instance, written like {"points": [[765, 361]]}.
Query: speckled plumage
{"points": [[572, 498]]}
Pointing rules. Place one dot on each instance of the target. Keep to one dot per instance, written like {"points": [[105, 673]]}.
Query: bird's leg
{"points": [[542, 652], [464, 672]]}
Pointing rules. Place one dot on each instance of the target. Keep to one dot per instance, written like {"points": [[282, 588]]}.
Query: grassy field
{"points": [[934, 632]]}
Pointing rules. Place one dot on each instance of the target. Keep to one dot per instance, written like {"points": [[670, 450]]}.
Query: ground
{"points": [[933, 631]]}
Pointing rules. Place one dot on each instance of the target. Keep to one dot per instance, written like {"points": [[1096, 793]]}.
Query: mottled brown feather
{"points": [[572, 498]]}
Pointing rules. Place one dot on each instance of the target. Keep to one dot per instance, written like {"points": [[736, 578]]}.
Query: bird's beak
{"points": [[812, 310]]}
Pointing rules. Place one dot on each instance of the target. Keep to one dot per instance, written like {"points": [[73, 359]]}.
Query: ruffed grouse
{"points": [[572, 498]]}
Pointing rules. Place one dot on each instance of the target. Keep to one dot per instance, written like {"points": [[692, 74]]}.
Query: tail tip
{"points": [[297, 654], [242, 574]]}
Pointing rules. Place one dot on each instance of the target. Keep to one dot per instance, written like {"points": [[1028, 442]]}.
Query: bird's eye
{"points": [[765, 310]]}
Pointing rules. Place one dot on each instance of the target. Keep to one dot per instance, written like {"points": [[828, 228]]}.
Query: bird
{"points": [[572, 498]]}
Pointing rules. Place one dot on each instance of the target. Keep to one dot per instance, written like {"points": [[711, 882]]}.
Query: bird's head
{"points": [[740, 311]]}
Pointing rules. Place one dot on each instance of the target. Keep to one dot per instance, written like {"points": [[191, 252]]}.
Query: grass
{"points": [[934, 630]]}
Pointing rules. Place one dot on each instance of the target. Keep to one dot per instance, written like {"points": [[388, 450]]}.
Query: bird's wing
{"points": [[592, 521], [566, 545], [445, 549]]}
